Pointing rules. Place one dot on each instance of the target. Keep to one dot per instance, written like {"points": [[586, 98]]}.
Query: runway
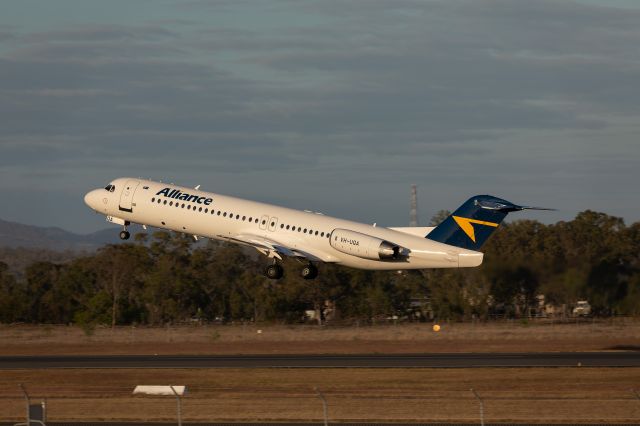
{"points": [[450, 360], [310, 424]]}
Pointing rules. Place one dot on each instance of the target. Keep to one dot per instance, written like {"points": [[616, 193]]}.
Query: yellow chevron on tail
{"points": [[466, 225]]}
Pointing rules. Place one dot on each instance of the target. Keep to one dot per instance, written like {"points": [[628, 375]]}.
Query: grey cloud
{"points": [[487, 58], [371, 97], [6, 36], [95, 53], [102, 33]]}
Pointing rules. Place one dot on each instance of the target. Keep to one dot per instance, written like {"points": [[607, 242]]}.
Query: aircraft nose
{"points": [[92, 199]]}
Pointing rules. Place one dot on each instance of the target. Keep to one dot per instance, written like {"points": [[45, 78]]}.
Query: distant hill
{"points": [[14, 235], [22, 245]]}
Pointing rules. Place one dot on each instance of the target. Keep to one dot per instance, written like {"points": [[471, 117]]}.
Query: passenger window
{"points": [[113, 188], [281, 226], [322, 234], [159, 200], [299, 229], [218, 212], [244, 218], [153, 200], [165, 202], [237, 216], [287, 227], [224, 214], [189, 207], [183, 205], [305, 231], [171, 203], [316, 232]]}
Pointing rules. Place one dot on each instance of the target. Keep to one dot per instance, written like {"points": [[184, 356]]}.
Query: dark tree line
{"points": [[166, 278]]}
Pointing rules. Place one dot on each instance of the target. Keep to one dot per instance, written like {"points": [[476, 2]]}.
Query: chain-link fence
{"points": [[217, 403]]}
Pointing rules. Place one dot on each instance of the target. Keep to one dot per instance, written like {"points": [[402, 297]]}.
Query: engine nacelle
{"points": [[363, 245]]}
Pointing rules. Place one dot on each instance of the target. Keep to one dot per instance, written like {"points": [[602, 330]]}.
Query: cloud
{"points": [[306, 101], [102, 33]]}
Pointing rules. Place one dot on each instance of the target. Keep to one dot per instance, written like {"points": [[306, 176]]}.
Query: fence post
{"points": [[481, 406], [179, 403], [26, 398], [324, 406]]}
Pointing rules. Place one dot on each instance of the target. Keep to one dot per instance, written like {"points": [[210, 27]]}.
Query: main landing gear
{"points": [[309, 272], [275, 271]]}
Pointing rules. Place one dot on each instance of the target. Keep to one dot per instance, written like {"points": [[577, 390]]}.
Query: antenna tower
{"points": [[413, 211]]}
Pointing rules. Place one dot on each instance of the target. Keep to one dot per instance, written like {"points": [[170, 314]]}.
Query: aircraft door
{"points": [[126, 197], [273, 223]]}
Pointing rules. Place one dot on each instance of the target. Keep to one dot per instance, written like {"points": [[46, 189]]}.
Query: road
{"points": [[457, 360]]}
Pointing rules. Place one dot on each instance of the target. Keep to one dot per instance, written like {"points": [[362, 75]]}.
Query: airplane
{"points": [[307, 236]]}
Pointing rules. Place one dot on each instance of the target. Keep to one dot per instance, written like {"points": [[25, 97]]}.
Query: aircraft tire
{"points": [[124, 235], [309, 272], [274, 272]]}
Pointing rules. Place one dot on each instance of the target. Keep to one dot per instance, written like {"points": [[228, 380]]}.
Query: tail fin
{"points": [[472, 224]]}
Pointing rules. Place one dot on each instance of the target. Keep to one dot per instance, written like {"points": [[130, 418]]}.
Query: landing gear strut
{"points": [[309, 272], [274, 271]]}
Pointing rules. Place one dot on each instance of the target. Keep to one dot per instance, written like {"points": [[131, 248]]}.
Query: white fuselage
{"points": [[227, 218]]}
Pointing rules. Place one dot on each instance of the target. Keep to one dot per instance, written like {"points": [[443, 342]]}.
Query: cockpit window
{"points": [[110, 188]]}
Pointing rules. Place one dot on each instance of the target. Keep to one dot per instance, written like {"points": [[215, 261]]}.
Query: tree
{"points": [[41, 281], [12, 297], [167, 277], [439, 217], [120, 271]]}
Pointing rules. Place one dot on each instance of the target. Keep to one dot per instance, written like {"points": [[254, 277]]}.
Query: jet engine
{"points": [[363, 245]]}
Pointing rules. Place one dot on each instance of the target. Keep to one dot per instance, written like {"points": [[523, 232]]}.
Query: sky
{"points": [[332, 106]]}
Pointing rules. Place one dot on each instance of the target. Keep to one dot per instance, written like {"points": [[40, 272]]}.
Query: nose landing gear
{"points": [[124, 234]]}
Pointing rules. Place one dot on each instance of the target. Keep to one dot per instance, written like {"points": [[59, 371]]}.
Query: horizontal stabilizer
{"points": [[538, 208], [419, 231]]}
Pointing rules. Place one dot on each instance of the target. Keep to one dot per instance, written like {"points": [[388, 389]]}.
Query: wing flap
{"points": [[272, 248]]}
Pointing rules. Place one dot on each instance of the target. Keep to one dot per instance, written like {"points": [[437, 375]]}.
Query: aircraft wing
{"points": [[272, 248]]}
